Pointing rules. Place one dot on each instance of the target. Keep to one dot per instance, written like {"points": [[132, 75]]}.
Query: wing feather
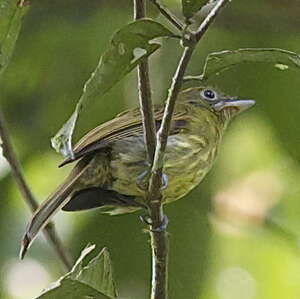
{"points": [[126, 124]]}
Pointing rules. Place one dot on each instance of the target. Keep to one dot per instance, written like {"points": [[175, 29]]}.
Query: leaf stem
{"points": [[169, 15], [16, 169]]}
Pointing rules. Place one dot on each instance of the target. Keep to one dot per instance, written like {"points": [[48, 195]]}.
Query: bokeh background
{"points": [[221, 246]]}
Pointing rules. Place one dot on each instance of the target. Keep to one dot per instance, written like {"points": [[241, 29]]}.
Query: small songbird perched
{"points": [[113, 161]]}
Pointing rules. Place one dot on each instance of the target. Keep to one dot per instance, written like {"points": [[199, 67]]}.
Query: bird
{"points": [[112, 159]]}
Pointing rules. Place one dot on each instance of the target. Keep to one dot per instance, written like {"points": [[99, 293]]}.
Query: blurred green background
{"points": [[220, 247]]}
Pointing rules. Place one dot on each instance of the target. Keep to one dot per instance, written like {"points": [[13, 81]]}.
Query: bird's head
{"points": [[215, 101]]}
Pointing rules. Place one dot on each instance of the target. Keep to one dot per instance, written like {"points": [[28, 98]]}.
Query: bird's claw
{"points": [[164, 181], [142, 180], [165, 221], [146, 219], [163, 226]]}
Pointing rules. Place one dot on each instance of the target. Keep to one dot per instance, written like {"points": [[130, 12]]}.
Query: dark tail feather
{"points": [[50, 206]]}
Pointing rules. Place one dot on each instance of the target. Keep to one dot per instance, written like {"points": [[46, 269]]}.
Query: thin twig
{"points": [[169, 15], [145, 93], [175, 88], [16, 169], [159, 242], [210, 18], [159, 236]]}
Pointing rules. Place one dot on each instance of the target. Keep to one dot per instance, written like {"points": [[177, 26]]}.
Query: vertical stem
{"points": [[16, 169], [159, 237], [162, 134], [147, 109], [159, 242], [160, 246], [145, 93]]}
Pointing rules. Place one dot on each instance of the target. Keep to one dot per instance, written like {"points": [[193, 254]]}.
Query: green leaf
{"points": [[190, 7], [71, 289], [97, 274], [91, 281], [221, 61], [11, 13], [127, 48]]}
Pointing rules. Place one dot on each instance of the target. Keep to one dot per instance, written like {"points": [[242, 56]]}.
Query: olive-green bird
{"points": [[112, 158]]}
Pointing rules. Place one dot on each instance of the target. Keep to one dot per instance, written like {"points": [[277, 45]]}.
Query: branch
{"points": [[209, 19], [169, 15], [153, 196], [10, 155], [158, 235], [173, 92], [145, 93], [159, 243], [159, 238]]}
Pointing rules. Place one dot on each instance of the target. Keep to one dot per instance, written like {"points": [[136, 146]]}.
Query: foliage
{"points": [[221, 61], [128, 47], [11, 13], [189, 8], [94, 279]]}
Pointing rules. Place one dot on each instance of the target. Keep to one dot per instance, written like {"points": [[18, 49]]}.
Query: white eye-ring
{"points": [[209, 94]]}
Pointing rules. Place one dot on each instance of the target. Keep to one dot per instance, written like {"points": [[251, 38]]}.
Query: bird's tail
{"points": [[50, 206]]}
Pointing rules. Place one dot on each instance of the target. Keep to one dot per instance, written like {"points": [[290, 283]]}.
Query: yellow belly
{"points": [[187, 159]]}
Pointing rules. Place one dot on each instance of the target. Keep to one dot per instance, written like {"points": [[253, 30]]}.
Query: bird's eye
{"points": [[209, 94]]}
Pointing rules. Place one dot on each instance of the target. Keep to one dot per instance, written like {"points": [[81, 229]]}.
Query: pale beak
{"points": [[238, 105]]}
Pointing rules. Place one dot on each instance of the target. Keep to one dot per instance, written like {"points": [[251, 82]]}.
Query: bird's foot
{"points": [[146, 219], [143, 179], [161, 228], [165, 181]]}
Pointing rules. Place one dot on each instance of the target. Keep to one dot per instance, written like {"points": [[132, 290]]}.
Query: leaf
{"points": [[221, 61], [128, 47], [79, 263], [97, 274], [91, 281], [11, 13], [62, 141], [72, 289], [190, 7]]}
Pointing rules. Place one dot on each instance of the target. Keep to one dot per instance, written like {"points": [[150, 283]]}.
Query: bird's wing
{"points": [[125, 124]]}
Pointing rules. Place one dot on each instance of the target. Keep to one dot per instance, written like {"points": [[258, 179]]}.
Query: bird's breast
{"points": [[188, 158]]}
